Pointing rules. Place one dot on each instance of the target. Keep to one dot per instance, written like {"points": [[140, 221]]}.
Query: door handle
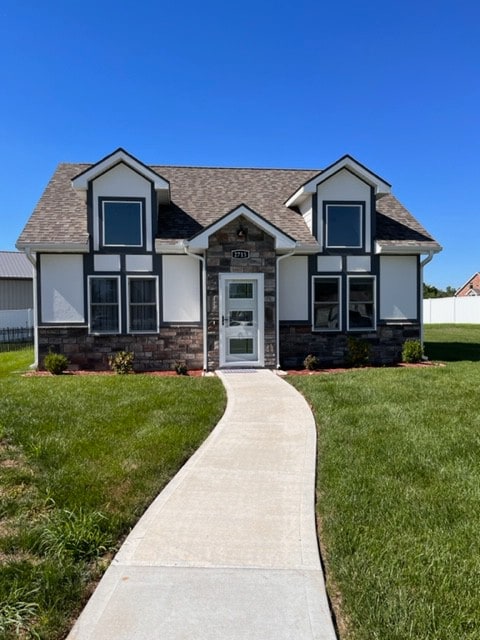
{"points": [[223, 321]]}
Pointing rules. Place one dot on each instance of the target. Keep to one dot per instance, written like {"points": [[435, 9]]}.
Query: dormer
{"points": [[338, 205], [123, 194]]}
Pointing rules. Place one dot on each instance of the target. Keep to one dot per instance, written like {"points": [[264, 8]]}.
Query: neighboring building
{"points": [[16, 290], [223, 267], [470, 288]]}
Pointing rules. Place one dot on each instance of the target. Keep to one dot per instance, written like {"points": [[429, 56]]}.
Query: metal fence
{"points": [[14, 339]]}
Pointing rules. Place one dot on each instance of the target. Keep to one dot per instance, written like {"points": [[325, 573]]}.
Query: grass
{"points": [[80, 460], [399, 493], [453, 342]]}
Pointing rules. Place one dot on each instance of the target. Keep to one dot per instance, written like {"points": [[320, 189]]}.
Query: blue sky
{"points": [[265, 83]]}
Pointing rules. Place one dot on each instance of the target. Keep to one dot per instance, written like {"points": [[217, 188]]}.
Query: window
{"points": [[104, 305], [142, 305], [122, 223], [344, 224], [326, 304], [361, 303]]}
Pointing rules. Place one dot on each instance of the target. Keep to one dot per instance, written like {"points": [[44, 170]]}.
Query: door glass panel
{"points": [[239, 346], [241, 319], [240, 290]]}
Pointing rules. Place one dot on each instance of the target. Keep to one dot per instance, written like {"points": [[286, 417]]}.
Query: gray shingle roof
{"points": [[15, 265], [202, 195]]}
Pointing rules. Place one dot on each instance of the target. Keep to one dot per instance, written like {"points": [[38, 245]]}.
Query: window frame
{"points": [[373, 279], [361, 209], [118, 304], [107, 200], [338, 278], [157, 303]]}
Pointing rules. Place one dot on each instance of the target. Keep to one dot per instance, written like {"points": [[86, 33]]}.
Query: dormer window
{"points": [[122, 222], [344, 226]]}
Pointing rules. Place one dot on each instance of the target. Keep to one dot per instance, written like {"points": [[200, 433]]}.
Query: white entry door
{"points": [[241, 319]]}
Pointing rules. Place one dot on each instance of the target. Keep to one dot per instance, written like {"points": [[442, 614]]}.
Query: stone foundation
{"points": [[297, 341], [157, 352]]}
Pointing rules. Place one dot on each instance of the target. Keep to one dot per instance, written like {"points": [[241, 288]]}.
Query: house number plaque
{"points": [[240, 253]]}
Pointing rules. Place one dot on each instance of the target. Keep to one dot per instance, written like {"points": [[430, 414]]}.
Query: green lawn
{"points": [[81, 457], [399, 493]]}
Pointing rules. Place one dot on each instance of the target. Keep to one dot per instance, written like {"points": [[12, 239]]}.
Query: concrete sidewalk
{"points": [[228, 550]]}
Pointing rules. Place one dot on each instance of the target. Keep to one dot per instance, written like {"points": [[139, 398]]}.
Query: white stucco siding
{"points": [[398, 287], [181, 289], [61, 288], [293, 288], [344, 187], [121, 182]]}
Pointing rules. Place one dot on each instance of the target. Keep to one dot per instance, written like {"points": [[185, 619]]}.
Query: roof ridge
{"points": [[187, 166]]}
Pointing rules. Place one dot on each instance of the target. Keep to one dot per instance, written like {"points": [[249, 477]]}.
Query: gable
{"points": [[121, 183], [282, 240]]}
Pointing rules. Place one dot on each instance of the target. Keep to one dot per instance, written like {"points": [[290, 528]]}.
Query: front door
{"points": [[241, 319]]}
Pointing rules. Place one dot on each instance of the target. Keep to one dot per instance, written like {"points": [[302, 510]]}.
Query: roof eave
{"points": [[406, 249], [54, 247]]}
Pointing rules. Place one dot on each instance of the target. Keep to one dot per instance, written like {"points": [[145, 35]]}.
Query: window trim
{"points": [[374, 301], [119, 305], [361, 209], [107, 200], [338, 278], [157, 303]]}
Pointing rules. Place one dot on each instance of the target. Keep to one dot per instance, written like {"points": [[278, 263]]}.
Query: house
{"points": [[16, 290], [223, 267], [470, 288]]}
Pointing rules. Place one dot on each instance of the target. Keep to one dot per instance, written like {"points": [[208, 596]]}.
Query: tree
{"points": [[430, 291]]}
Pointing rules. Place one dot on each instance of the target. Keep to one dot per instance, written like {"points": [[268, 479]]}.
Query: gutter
{"points": [[204, 304], [32, 257], [277, 304], [423, 263]]}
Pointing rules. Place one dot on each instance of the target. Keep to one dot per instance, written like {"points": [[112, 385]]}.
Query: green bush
{"points": [[358, 352], [121, 362], [311, 362], [412, 351], [181, 369], [56, 363]]}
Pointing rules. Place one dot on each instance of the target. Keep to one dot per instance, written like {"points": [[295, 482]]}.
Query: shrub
{"points": [[181, 369], [56, 363], [358, 353], [121, 362], [311, 362], [412, 351]]}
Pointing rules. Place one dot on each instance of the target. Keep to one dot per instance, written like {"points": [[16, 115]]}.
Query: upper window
{"points": [[122, 223], [361, 303], [344, 223], [326, 304]]}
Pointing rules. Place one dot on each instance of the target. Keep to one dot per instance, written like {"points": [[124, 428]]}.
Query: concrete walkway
{"points": [[228, 550]]}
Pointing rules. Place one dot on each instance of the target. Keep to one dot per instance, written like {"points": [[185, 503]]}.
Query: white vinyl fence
{"points": [[17, 319], [452, 310]]}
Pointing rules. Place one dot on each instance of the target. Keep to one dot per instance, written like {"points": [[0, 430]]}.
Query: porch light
{"points": [[241, 232]]}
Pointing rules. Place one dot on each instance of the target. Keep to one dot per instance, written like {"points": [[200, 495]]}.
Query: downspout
{"points": [[33, 259], [204, 305], [422, 264], [277, 304]]}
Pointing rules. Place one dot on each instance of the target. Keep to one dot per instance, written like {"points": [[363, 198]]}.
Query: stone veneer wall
{"points": [[181, 343], [297, 341], [261, 260]]}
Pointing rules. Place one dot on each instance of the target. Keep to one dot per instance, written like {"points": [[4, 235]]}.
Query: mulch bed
{"points": [[327, 371], [194, 373]]}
